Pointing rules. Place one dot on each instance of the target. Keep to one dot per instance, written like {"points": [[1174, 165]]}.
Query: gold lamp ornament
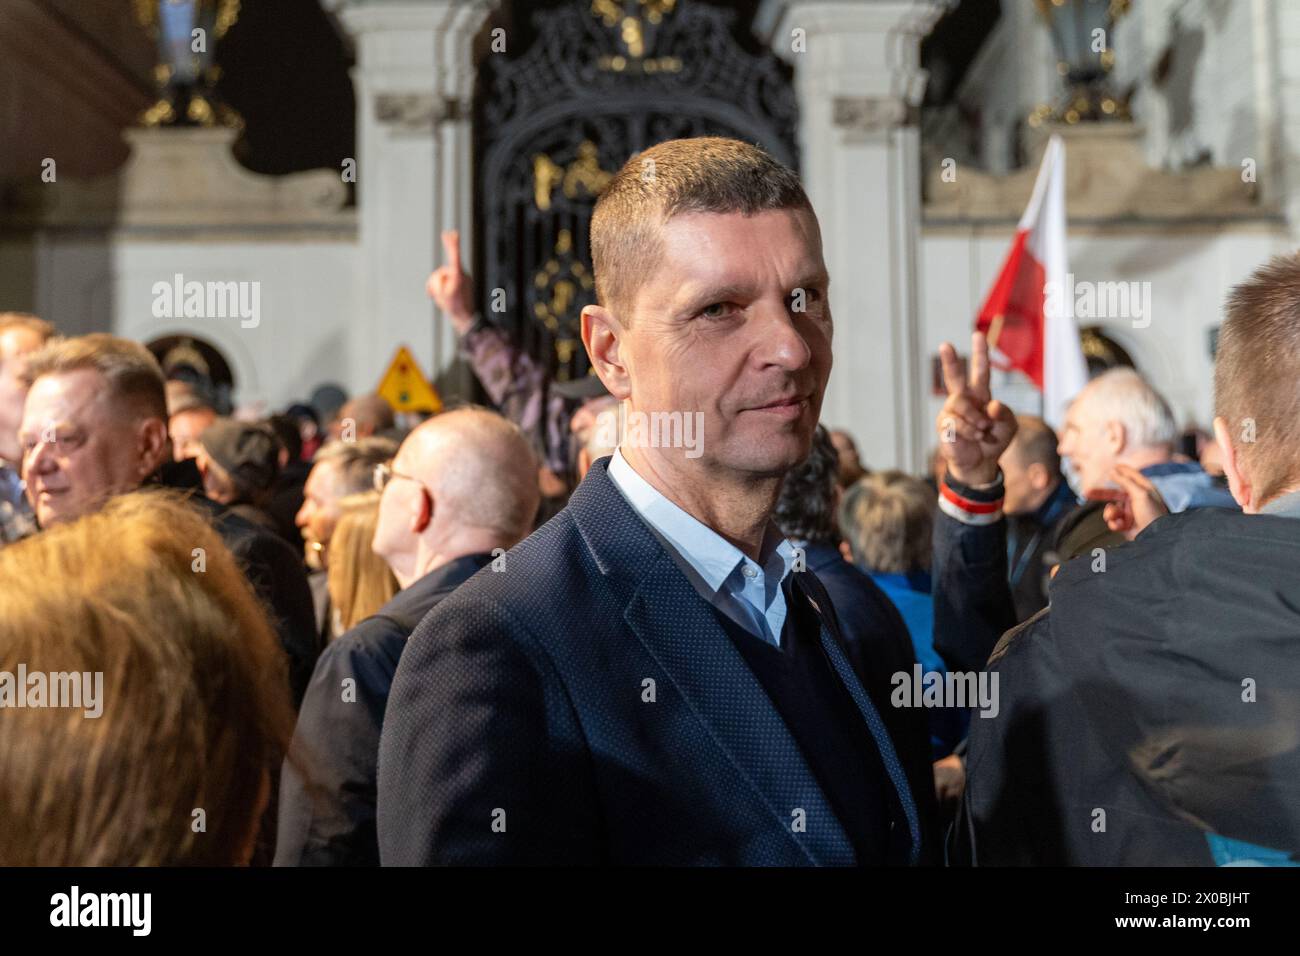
{"points": [[187, 32], [1081, 32]]}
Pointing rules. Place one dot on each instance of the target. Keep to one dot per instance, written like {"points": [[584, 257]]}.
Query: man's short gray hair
{"points": [[132, 376], [356, 461], [1124, 396]]}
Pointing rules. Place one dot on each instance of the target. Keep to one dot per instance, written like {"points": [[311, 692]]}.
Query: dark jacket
{"points": [[586, 705], [1182, 485], [276, 574], [286, 500], [972, 601], [879, 647], [1031, 552], [255, 515], [331, 821], [1151, 715]]}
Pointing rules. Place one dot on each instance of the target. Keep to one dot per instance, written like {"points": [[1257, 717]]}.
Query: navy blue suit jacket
{"points": [[879, 647], [327, 815], [585, 705]]}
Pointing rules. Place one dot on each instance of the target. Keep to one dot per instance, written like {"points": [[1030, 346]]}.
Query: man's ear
{"points": [[602, 334], [1116, 436], [155, 446], [1238, 483], [424, 514], [1039, 478]]}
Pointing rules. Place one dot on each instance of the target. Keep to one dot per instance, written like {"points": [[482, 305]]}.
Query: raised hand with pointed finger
{"points": [[974, 429], [450, 287]]}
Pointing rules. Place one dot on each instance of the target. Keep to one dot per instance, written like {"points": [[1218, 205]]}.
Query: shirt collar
{"points": [[712, 556]]}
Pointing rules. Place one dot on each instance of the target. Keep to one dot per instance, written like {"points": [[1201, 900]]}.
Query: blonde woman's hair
{"points": [[194, 706], [360, 582], [888, 520]]}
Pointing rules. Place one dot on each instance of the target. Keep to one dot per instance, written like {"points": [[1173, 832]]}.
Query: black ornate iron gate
{"points": [[598, 81]]}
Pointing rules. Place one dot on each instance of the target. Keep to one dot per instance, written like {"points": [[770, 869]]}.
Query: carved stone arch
{"points": [[1102, 351], [240, 364]]}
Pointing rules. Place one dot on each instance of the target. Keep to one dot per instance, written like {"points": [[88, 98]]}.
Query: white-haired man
{"points": [[1119, 420]]}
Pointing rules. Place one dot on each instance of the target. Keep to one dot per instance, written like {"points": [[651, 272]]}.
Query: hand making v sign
{"points": [[974, 429]]}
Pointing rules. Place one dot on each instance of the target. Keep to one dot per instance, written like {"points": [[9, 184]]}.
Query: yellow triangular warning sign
{"points": [[405, 387]]}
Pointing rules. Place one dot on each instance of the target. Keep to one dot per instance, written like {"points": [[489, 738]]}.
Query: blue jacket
{"points": [[910, 593], [586, 706], [1185, 484]]}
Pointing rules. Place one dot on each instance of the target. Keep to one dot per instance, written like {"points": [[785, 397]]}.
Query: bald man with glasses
{"points": [[461, 491]]}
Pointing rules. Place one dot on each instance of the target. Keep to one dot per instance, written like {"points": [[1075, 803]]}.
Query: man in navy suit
{"points": [[653, 678]]}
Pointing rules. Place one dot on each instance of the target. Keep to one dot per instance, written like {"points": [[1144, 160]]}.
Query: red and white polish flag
{"points": [[1028, 316]]}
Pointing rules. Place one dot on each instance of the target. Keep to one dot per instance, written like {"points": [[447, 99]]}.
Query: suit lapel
{"points": [[903, 801], [681, 632]]}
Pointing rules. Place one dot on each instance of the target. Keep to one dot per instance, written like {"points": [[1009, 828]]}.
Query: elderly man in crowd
{"points": [[554, 415], [461, 491], [1120, 420], [95, 425]]}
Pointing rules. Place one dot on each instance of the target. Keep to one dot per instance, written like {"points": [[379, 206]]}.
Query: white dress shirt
{"points": [[746, 591]]}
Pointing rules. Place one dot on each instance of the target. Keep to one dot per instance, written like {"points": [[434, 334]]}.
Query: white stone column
{"points": [[859, 83], [454, 188], [413, 79]]}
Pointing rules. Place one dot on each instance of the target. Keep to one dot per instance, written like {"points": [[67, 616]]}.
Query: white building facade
{"points": [[341, 286]]}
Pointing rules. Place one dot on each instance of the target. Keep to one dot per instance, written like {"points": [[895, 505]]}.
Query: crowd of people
{"points": [[500, 635]]}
